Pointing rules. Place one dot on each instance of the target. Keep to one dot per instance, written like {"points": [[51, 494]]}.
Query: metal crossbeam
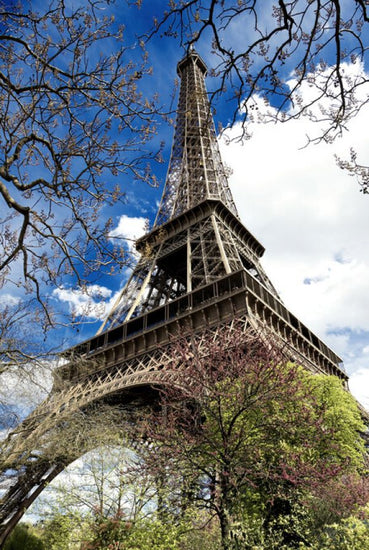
{"points": [[199, 276]]}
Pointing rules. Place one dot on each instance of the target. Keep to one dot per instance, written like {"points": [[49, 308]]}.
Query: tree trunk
{"points": [[225, 514]]}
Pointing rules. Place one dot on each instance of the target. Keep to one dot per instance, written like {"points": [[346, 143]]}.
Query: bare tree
{"points": [[274, 49], [105, 482], [25, 361], [14, 321], [72, 121]]}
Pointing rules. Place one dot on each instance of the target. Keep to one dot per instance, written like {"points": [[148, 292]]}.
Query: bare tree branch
{"points": [[72, 122], [310, 40]]}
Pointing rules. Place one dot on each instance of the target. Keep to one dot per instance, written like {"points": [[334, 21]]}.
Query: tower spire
{"points": [[196, 171]]}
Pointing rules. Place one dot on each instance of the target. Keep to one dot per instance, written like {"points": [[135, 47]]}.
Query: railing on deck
{"points": [[212, 293]]}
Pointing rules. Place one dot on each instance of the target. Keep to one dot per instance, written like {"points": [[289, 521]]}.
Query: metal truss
{"points": [[196, 171], [29, 460], [199, 275]]}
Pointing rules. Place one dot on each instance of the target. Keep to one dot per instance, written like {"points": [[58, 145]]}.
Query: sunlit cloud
{"points": [[94, 302], [91, 302], [314, 223], [359, 385], [130, 228]]}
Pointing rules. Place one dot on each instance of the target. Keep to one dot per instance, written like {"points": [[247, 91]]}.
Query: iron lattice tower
{"points": [[199, 273]]}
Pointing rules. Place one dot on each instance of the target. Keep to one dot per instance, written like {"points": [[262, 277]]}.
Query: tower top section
{"points": [[196, 172], [192, 57]]}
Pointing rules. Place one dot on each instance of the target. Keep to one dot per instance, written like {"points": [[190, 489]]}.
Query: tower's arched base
{"points": [[122, 377]]}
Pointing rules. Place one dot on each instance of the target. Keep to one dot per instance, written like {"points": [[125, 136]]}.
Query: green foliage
{"points": [[152, 534], [342, 419], [263, 444], [60, 531], [205, 538], [146, 534], [149, 535], [24, 537], [350, 533], [269, 451], [106, 532]]}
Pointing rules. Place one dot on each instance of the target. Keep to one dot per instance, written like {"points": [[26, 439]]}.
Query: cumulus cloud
{"points": [[8, 300], [91, 302], [94, 301], [129, 228], [359, 386], [314, 223]]}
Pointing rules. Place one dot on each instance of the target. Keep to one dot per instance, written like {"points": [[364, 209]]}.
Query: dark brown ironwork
{"points": [[199, 273]]}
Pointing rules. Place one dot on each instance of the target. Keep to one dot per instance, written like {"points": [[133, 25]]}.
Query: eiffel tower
{"points": [[199, 273]]}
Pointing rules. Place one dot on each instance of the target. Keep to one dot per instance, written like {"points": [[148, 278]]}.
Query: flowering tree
{"points": [[309, 37], [72, 123], [72, 120], [253, 440]]}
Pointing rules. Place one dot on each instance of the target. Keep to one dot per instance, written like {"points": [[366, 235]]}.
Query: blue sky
{"points": [[307, 212]]}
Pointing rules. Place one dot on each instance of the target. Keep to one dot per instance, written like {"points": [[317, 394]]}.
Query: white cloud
{"points": [[130, 228], [7, 299], [359, 386], [314, 224], [92, 302]]}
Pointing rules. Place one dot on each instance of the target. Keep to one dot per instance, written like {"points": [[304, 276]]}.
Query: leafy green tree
{"points": [[352, 532], [61, 531], [202, 533], [24, 537], [152, 533], [251, 438], [103, 483], [147, 534], [106, 532], [338, 499]]}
